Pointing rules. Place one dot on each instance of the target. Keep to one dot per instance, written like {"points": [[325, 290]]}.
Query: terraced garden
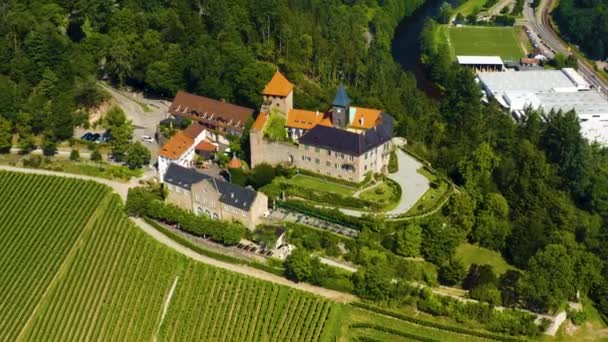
{"points": [[73, 267]]}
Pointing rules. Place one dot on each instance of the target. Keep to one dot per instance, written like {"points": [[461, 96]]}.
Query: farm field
{"points": [[485, 41], [75, 268]]}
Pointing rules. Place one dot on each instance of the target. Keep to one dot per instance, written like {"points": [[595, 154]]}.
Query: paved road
{"points": [[122, 189], [413, 185], [539, 21]]}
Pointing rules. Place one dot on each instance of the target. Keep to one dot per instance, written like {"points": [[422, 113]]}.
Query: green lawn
{"points": [[472, 254], [469, 7], [485, 41], [322, 184], [383, 193]]}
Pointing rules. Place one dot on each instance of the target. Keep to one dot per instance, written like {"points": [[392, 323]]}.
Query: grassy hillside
{"points": [[75, 268]]}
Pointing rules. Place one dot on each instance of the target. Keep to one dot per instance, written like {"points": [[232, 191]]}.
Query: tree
{"points": [[509, 291], [372, 282], [479, 275], [492, 222], [6, 135], [550, 278], [137, 155], [74, 155], [96, 156], [26, 143], [445, 13], [298, 265], [486, 293], [461, 212], [452, 272], [115, 121], [408, 241], [261, 175], [49, 146], [439, 242]]}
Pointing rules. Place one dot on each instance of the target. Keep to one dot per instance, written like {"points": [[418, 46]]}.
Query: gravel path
{"points": [[122, 189], [413, 185]]}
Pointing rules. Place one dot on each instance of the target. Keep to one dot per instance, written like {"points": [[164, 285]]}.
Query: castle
{"points": [[347, 142]]}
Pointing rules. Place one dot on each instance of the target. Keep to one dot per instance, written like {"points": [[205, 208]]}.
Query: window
{"points": [[365, 168], [351, 158], [198, 198], [365, 156], [328, 163], [328, 152], [317, 149], [304, 158], [341, 155], [336, 165], [316, 160]]}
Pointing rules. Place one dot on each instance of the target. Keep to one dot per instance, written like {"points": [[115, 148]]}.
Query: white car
{"points": [[147, 138]]}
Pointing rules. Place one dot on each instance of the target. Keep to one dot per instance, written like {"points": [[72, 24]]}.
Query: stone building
{"points": [[278, 93], [214, 197], [347, 142]]}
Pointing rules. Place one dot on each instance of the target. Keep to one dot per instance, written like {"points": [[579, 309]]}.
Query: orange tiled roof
{"points": [[176, 146], [306, 119], [278, 85], [206, 146], [365, 118], [235, 163], [260, 121]]}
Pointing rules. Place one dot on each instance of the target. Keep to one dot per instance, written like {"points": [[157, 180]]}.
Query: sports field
{"points": [[485, 41], [74, 268]]}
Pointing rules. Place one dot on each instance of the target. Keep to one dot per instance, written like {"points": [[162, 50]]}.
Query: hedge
{"points": [[436, 325], [392, 331], [393, 163], [215, 255]]}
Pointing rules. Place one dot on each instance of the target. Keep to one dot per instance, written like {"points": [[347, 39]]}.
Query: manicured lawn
{"points": [[432, 197], [471, 254], [322, 184], [469, 7], [485, 41], [383, 193]]}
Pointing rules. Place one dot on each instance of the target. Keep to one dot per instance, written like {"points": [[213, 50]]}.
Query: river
{"points": [[406, 47]]}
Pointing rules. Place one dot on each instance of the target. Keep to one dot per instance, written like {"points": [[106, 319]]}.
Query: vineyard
{"points": [[75, 268]]}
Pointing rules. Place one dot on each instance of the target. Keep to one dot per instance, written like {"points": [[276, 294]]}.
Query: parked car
{"points": [[96, 138], [107, 136], [87, 136], [147, 138]]}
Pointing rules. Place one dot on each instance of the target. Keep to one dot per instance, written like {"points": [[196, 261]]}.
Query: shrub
{"points": [[95, 156], [393, 163], [74, 155]]}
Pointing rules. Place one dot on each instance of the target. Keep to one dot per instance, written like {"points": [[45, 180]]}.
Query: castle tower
{"points": [[278, 93], [341, 107]]}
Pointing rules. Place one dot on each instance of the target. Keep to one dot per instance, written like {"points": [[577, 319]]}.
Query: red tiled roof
{"points": [[365, 118], [206, 146], [176, 146], [278, 85], [306, 119], [235, 163], [210, 111], [260, 122]]}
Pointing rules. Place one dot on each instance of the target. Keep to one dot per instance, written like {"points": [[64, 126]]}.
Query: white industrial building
{"points": [[549, 90], [482, 63]]}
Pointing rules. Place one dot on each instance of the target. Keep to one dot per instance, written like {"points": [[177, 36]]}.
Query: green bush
{"points": [[393, 163]]}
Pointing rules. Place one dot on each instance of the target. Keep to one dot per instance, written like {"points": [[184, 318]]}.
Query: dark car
{"points": [[107, 136], [87, 136], [95, 137]]}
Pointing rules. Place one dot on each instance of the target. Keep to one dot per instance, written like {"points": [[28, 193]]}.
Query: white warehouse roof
{"points": [[479, 60], [577, 79], [534, 81], [583, 102]]}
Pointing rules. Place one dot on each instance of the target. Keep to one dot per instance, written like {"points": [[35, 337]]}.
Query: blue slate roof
{"points": [[231, 194], [341, 99], [351, 143]]}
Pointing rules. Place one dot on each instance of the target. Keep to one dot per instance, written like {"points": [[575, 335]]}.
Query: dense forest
{"points": [[53, 51], [536, 190], [585, 23]]}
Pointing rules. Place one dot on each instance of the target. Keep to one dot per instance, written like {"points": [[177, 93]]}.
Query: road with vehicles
{"points": [[539, 21]]}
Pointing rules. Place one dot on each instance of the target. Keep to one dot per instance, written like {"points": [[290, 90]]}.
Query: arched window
{"points": [[216, 216]]}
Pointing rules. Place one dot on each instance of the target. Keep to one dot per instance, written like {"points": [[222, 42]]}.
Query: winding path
{"points": [[123, 188]]}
